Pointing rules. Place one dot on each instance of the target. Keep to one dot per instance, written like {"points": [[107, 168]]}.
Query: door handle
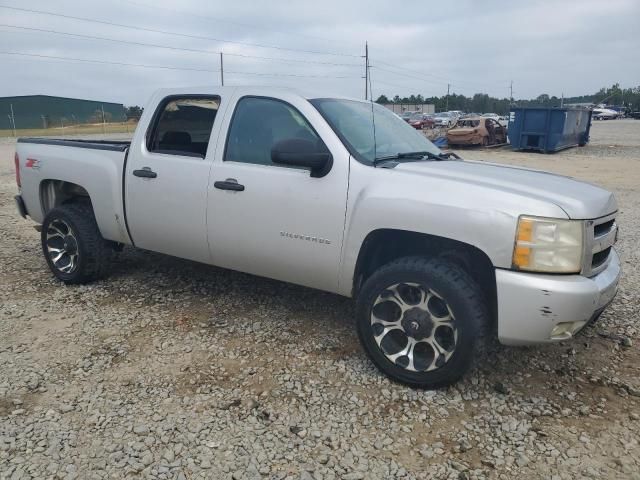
{"points": [[229, 184], [146, 172]]}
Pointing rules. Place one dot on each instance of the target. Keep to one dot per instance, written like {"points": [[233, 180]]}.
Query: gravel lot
{"points": [[171, 369]]}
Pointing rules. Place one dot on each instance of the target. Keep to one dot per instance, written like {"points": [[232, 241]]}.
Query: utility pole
{"points": [[446, 108], [511, 92], [103, 125], [366, 71], [13, 120], [562, 100], [221, 70]]}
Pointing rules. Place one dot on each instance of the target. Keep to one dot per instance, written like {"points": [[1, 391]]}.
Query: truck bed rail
{"points": [[114, 145]]}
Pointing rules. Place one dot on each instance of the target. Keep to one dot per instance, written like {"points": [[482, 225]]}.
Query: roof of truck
{"points": [[253, 90]]}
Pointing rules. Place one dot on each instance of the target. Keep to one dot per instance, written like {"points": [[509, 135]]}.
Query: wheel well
{"points": [[54, 193], [383, 246]]}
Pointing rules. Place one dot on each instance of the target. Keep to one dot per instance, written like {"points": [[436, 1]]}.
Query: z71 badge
{"points": [[32, 163]]}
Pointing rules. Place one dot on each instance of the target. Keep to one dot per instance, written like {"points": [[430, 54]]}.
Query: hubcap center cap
{"points": [[69, 245], [417, 323]]}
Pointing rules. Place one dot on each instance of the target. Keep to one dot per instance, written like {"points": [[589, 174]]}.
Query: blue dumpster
{"points": [[548, 129]]}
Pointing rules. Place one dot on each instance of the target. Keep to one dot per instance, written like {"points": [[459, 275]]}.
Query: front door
{"points": [[166, 178], [272, 220]]}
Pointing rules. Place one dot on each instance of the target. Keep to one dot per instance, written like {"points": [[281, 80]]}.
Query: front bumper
{"points": [[531, 306]]}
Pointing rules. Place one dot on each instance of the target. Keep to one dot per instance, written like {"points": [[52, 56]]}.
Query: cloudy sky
{"points": [[546, 46]]}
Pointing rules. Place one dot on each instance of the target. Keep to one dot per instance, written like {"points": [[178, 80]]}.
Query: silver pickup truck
{"points": [[339, 195]]}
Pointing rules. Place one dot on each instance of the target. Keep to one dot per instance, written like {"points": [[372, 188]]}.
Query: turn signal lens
{"points": [[525, 229]]}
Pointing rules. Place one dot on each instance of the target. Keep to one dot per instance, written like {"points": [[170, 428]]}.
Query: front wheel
{"points": [[72, 244], [419, 320]]}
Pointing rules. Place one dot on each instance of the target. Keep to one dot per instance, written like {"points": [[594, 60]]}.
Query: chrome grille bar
{"points": [[594, 244]]}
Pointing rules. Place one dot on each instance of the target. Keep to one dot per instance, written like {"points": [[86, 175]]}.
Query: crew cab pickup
{"points": [[339, 195]]}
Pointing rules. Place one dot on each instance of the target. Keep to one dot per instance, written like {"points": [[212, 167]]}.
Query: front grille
{"points": [[600, 257], [603, 228], [600, 236]]}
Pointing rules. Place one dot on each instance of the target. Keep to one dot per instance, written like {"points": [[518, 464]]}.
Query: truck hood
{"points": [[580, 200]]}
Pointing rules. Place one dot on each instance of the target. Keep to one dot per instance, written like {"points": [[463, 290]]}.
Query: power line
{"points": [[444, 80], [287, 75], [219, 19], [413, 71], [393, 85], [286, 60], [478, 88], [166, 32], [104, 62], [403, 74], [107, 39], [71, 59]]}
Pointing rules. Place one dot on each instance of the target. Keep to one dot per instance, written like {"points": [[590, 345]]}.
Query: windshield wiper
{"points": [[422, 155]]}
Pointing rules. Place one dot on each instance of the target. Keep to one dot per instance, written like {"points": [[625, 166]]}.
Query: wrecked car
{"points": [[477, 131]]}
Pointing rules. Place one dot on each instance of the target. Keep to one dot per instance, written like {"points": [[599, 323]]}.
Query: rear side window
{"points": [[258, 124], [182, 125]]}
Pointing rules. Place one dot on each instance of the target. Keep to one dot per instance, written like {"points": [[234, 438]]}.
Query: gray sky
{"points": [[549, 46]]}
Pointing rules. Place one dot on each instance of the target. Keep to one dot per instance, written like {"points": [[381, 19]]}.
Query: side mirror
{"points": [[298, 152]]}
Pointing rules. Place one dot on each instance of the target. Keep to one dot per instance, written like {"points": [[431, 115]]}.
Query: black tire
{"points": [[459, 292], [93, 251]]}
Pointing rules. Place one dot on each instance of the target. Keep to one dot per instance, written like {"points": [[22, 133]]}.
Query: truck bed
{"points": [[94, 165], [113, 145]]}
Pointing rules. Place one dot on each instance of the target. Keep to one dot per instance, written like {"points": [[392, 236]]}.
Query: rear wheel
{"points": [[419, 320], [72, 244]]}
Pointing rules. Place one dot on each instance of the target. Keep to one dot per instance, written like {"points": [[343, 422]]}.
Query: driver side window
{"points": [[258, 124]]}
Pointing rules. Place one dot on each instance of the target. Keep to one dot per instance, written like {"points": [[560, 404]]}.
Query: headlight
{"points": [[548, 245]]}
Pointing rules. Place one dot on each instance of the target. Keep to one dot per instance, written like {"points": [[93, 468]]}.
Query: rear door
{"points": [[167, 174]]}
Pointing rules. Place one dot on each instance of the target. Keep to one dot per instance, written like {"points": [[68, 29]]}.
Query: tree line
{"points": [[482, 102]]}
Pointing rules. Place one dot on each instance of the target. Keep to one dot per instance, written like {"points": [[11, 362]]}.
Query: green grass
{"points": [[85, 129]]}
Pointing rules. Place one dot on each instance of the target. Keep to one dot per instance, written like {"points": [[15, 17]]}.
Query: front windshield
{"points": [[354, 122]]}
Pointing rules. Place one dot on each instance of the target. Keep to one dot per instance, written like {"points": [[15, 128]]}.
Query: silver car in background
{"points": [[445, 119]]}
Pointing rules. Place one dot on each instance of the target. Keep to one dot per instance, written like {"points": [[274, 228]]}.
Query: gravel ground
{"points": [[171, 369]]}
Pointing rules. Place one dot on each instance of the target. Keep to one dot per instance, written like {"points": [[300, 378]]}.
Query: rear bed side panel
{"points": [[98, 171]]}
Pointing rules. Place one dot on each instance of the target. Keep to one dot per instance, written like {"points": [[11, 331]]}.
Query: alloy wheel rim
{"points": [[414, 327], [62, 246]]}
